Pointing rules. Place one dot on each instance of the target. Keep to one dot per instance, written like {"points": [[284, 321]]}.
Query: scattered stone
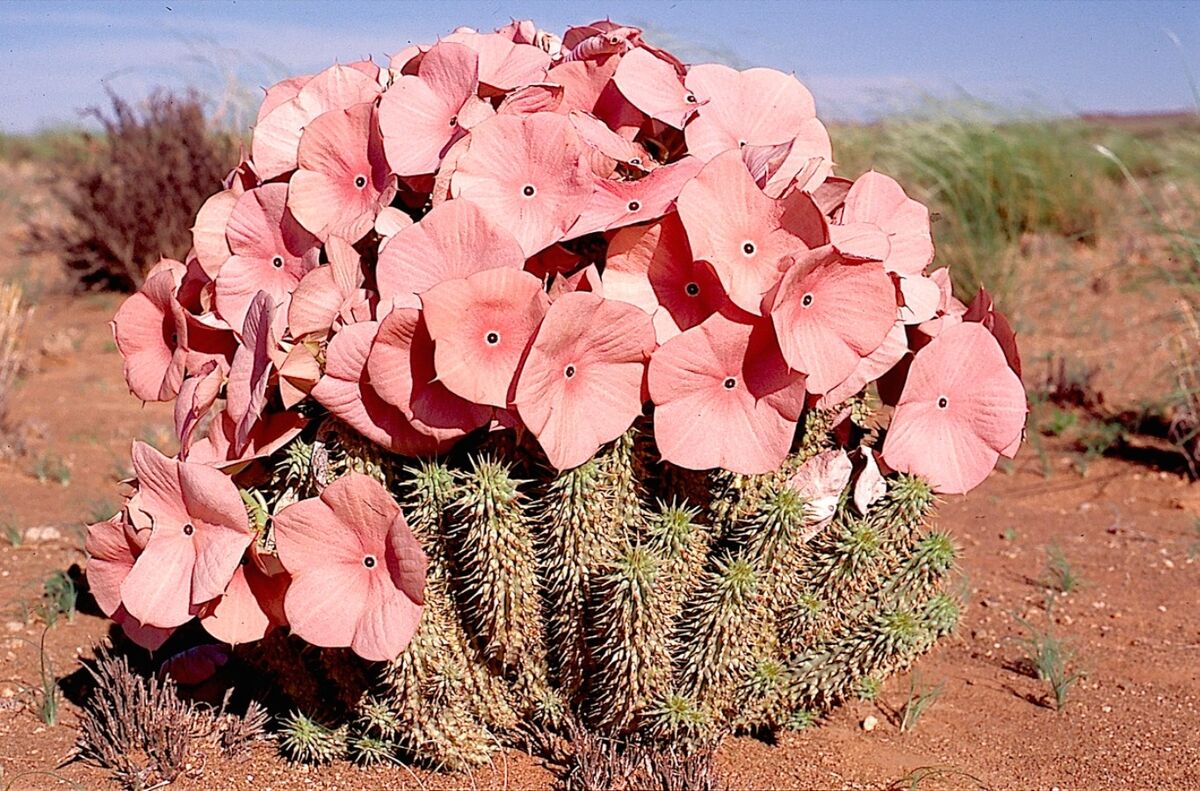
{"points": [[14, 626], [870, 723], [35, 535]]}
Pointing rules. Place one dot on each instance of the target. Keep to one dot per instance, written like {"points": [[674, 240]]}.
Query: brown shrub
{"points": [[133, 196]]}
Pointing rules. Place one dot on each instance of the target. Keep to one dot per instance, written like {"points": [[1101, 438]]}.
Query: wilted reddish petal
{"points": [[343, 179], [246, 392], [960, 407], [619, 203], [147, 333], [871, 486], [744, 234], [197, 394], [346, 391], [480, 327], [453, 241], [581, 384], [829, 313], [653, 86], [527, 174], [724, 398]]}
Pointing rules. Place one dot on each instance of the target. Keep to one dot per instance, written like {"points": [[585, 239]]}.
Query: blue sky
{"points": [[861, 59]]}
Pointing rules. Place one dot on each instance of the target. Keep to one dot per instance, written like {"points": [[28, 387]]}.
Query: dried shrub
{"points": [[14, 317], [599, 762], [133, 197], [142, 731]]}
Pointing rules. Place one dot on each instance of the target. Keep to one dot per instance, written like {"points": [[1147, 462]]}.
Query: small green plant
{"points": [[1059, 575], [59, 596], [920, 698], [869, 688], [304, 740], [48, 703], [1009, 534], [101, 509], [1095, 439], [1058, 422], [1053, 661], [13, 535], [48, 467]]}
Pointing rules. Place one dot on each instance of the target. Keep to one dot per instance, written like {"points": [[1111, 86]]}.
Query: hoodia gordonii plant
{"points": [[530, 384]]}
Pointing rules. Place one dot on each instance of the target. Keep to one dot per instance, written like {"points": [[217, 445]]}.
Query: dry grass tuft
{"points": [[133, 195], [142, 731], [597, 763], [14, 318]]}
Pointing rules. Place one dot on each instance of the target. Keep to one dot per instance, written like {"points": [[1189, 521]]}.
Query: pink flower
{"points": [[961, 406], [346, 391], [581, 384], [829, 313], [343, 180], [250, 608], [453, 241], [358, 573], [200, 533], [271, 252], [747, 237], [724, 398], [480, 327], [615, 204], [422, 115], [653, 86], [527, 173], [276, 141]]}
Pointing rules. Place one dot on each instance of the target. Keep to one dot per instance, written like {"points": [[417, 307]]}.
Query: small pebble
{"points": [[14, 626], [870, 723], [34, 535]]}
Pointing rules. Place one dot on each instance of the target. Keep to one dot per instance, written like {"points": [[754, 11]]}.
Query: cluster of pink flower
{"points": [[511, 231]]}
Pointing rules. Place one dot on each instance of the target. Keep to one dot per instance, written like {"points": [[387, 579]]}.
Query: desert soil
{"points": [[1128, 531]]}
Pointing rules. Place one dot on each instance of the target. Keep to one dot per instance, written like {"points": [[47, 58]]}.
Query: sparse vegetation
{"points": [[1053, 661], [13, 535], [1059, 575], [140, 730], [133, 197], [920, 697], [59, 596], [48, 467], [48, 693]]}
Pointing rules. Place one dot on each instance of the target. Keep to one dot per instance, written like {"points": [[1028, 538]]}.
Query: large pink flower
{"points": [[401, 370], [480, 327], [961, 407], [358, 573], [346, 391], [652, 85], [455, 240], [528, 174], [615, 204], [755, 107], [421, 115], [200, 533], [147, 331], [343, 180], [829, 313], [581, 384], [271, 252], [276, 141], [746, 236], [724, 397], [651, 266]]}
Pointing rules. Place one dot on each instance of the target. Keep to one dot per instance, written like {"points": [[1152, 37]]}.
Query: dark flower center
{"points": [[748, 248], [635, 161], [741, 144], [569, 371], [943, 402], [369, 561], [806, 300], [529, 191], [453, 120], [188, 529], [690, 98], [692, 289], [492, 338], [360, 181], [634, 205], [277, 262], [730, 383]]}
